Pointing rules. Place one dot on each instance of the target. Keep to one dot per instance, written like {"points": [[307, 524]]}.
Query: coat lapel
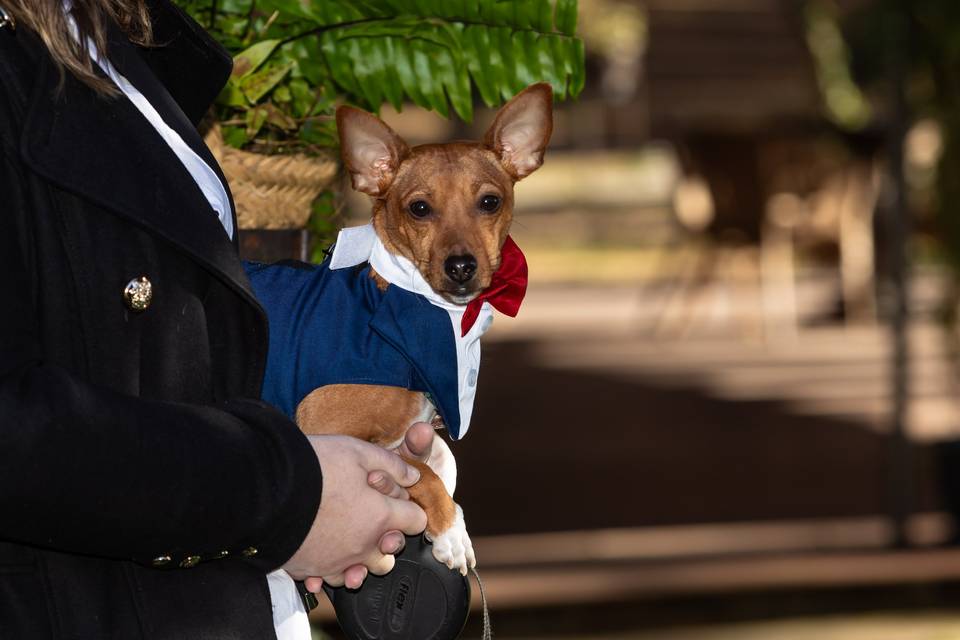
{"points": [[128, 60], [104, 150], [187, 61]]}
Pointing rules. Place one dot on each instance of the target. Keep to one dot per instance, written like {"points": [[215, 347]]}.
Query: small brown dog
{"points": [[444, 209]]}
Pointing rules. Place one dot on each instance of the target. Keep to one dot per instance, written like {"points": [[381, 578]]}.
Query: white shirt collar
{"points": [[356, 245]]}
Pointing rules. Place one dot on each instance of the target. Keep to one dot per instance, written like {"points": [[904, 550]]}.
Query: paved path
{"points": [[935, 625]]}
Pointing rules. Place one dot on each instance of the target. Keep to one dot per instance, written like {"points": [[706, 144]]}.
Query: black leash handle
{"points": [[421, 599]]}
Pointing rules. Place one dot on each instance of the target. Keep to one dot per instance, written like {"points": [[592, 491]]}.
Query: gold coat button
{"points": [[190, 561], [159, 561], [249, 552], [138, 294]]}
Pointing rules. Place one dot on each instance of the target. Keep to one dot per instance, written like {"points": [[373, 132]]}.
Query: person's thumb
{"points": [[417, 442], [376, 459]]}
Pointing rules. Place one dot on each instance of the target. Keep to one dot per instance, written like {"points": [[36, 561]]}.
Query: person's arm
{"points": [[87, 470]]}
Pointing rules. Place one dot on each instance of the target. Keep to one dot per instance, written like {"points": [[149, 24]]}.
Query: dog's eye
{"points": [[419, 209], [489, 203]]}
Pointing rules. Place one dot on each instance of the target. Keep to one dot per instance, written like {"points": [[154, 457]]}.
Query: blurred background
{"points": [[728, 407]]}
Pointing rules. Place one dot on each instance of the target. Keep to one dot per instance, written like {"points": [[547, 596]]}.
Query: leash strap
{"points": [[487, 630]]}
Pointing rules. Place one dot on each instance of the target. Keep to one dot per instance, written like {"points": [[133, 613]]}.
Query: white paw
{"points": [[453, 547]]}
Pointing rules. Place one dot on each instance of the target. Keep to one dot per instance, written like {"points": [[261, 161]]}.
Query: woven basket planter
{"points": [[271, 192]]}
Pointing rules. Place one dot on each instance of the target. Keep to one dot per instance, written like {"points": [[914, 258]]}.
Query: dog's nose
{"points": [[460, 269]]}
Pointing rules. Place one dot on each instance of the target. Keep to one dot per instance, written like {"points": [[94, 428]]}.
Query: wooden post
{"points": [[900, 468]]}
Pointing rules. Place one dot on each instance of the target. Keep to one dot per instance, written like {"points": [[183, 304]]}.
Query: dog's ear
{"points": [[521, 130], [371, 150]]}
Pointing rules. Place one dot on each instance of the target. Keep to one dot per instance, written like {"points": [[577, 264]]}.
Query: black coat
{"points": [[128, 439]]}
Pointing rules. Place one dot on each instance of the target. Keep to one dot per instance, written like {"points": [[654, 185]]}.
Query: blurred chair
{"points": [[839, 215], [816, 203]]}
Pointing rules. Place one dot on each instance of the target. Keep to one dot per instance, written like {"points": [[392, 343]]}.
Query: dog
{"points": [[385, 333]]}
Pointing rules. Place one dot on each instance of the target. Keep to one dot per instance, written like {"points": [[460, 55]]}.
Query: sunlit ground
{"points": [[937, 625], [879, 626]]}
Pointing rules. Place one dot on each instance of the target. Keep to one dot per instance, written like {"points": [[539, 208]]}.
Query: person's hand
{"points": [[364, 496], [416, 445], [391, 543]]}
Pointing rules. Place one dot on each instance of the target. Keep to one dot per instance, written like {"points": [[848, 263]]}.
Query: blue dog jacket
{"points": [[330, 324]]}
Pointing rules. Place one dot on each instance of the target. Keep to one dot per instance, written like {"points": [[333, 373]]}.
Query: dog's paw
{"points": [[453, 547]]}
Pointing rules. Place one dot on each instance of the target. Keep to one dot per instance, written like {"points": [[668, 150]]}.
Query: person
{"points": [[145, 492]]}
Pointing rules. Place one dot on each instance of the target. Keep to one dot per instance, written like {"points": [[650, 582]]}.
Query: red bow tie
{"points": [[507, 287]]}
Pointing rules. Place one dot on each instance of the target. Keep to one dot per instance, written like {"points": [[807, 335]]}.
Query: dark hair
{"points": [[48, 18]]}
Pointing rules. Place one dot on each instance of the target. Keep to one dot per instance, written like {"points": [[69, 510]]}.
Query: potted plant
{"points": [[296, 60]]}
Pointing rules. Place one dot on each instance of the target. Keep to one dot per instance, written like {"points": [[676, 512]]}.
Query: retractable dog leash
{"points": [[421, 599], [487, 629]]}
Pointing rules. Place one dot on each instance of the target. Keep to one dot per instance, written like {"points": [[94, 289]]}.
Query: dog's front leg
{"points": [[445, 525]]}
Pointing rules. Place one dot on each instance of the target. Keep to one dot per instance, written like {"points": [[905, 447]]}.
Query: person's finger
{"points": [[376, 459], [392, 543], [354, 576], [313, 585], [382, 565], [386, 485], [335, 580], [407, 517], [417, 442]]}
